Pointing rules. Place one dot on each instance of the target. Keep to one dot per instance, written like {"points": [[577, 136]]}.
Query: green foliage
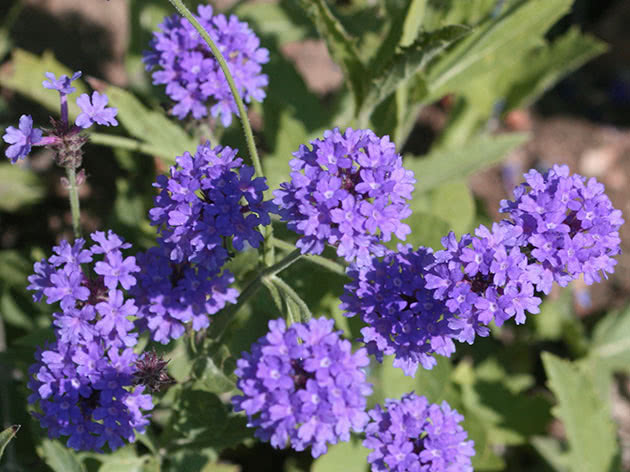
{"points": [[6, 436], [18, 188], [589, 429], [59, 458], [347, 456]]}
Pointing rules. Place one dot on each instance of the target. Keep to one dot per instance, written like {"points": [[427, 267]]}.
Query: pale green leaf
{"points": [[496, 36], [611, 340], [272, 19], [447, 164], [345, 456], [150, 126], [406, 63], [453, 201], [6, 436], [18, 187], [551, 450], [589, 429], [60, 458]]}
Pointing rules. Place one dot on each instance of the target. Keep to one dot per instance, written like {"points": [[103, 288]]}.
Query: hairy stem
{"points": [[267, 250], [73, 195]]}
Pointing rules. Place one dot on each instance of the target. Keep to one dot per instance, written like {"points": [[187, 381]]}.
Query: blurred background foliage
{"points": [[473, 93]]}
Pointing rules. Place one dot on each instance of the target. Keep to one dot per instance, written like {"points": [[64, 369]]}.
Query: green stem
{"points": [[127, 143], [295, 297], [319, 260], [73, 195], [267, 249], [221, 320]]}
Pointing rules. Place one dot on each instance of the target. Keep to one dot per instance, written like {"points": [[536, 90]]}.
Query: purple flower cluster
{"points": [[401, 315], [303, 386], [562, 227], [208, 204], [349, 191], [412, 435], [84, 381], [193, 77], [569, 225], [93, 110]]}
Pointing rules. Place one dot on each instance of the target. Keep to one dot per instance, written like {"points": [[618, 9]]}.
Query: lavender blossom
{"points": [[411, 434], [303, 386], [84, 382], [63, 84], [21, 139], [95, 110], [401, 314], [569, 226], [349, 191], [183, 62]]}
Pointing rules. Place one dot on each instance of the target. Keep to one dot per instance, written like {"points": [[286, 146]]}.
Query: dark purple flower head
{"points": [[350, 191], [569, 226], [413, 435], [170, 295], [302, 386], [21, 139], [401, 314], [208, 200], [483, 278], [63, 84], [95, 111], [184, 63]]}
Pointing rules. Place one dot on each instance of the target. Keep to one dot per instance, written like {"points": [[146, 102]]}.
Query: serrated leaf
{"points": [[589, 429], [447, 164], [150, 126], [6, 436], [495, 36], [27, 74], [59, 457], [18, 187], [611, 340], [543, 67], [406, 63], [214, 370], [341, 45], [347, 456]]}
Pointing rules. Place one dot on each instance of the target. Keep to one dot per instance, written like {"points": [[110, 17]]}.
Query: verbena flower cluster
{"points": [[208, 205], [415, 303], [350, 191], [413, 435], [84, 381], [561, 227], [184, 63], [303, 386], [400, 313]]}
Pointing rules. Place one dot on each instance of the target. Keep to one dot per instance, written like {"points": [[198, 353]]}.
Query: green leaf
{"points": [[59, 457], [427, 230], [447, 164], [589, 429], [454, 202], [296, 309], [12, 313], [150, 126], [214, 370], [544, 66], [272, 19], [494, 37], [552, 451], [204, 422], [18, 187], [123, 460], [27, 74], [611, 340], [14, 268], [406, 63], [341, 45], [6, 436], [347, 456]]}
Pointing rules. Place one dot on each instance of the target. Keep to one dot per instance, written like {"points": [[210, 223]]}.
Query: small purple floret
{"points": [[63, 84], [95, 111], [21, 139]]}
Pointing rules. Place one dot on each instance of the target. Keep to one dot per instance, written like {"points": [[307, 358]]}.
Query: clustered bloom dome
{"points": [[84, 381], [412, 435], [350, 191], [184, 63], [402, 317], [569, 225], [303, 386], [208, 204]]}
